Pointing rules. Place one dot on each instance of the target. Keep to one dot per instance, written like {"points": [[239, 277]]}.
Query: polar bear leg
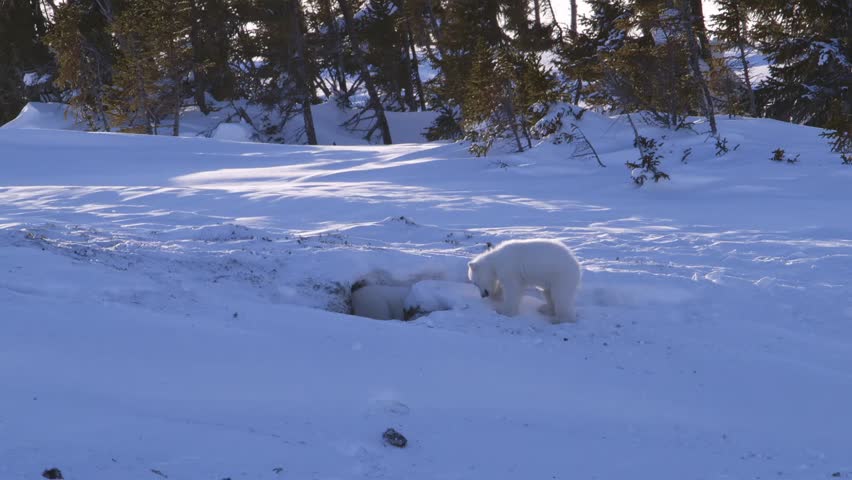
{"points": [[512, 291], [547, 308], [562, 299], [497, 295]]}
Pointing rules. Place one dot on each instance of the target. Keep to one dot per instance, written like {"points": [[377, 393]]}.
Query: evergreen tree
{"points": [[154, 63], [129, 64], [480, 98], [650, 70], [22, 28], [382, 26], [807, 44], [410, 24], [375, 103], [583, 58], [732, 32], [692, 25], [85, 54], [466, 28], [324, 20], [650, 60], [214, 25], [304, 74], [521, 19], [287, 73], [508, 92]]}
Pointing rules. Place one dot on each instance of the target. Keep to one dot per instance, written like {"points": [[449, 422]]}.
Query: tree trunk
{"points": [[40, 23], [375, 101], [171, 54], [298, 28], [105, 6], [559, 31], [694, 56], [573, 18], [199, 76], [537, 14], [436, 29], [513, 123], [340, 72], [407, 84], [697, 20], [141, 94], [579, 85], [752, 104], [308, 115], [415, 67], [178, 104]]}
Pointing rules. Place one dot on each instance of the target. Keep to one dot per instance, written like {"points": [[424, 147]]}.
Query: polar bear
{"points": [[504, 272], [380, 302]]}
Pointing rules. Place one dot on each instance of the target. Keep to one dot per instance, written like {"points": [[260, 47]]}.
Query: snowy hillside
{"points": [[172, 308]]}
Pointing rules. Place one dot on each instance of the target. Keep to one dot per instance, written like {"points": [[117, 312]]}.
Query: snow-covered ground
{"points": [[169, 308], [225, 123]]}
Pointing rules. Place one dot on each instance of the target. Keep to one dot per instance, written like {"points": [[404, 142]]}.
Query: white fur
{"points": [[504, 272], [381, 302]]}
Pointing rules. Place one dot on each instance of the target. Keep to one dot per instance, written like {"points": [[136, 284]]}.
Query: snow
{"points": [[225, 124], [43, 116], [33, 79], [436, 295], [176, 305], [234, 132]]}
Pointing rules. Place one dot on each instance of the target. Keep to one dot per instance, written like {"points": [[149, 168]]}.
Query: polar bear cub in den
{"points": [[504, 272]]}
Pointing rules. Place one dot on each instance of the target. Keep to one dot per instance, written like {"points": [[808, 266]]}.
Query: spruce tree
{"points": [[692, 25], [85, 55], [466, 29], [583, 58], [508, 92], [214, 25], [155, 62], [380, 121], [330, 47], [731, 30], [650, 68], [22, 51], [381, 25], [482, 101], [285, 75], [808, 46]]}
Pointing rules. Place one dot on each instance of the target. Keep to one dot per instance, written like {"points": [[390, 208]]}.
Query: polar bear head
{"points": [[483, 277]]}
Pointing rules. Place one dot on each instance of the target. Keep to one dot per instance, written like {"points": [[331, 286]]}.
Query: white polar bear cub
{"points": [[504, 272]]}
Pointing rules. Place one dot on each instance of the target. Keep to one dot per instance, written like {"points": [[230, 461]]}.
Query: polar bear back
{"points": [[542, 263], [380, 302]]}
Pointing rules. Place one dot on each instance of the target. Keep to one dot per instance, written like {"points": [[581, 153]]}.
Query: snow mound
{"points": [[435, 295], [49, 116], [406, 127], [232, 132], [227, 232], [224, 124]]}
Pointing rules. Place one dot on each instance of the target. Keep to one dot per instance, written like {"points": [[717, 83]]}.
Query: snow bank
{"points": [[435, 295], [225, 124], [232, 132], [50, 116]]}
